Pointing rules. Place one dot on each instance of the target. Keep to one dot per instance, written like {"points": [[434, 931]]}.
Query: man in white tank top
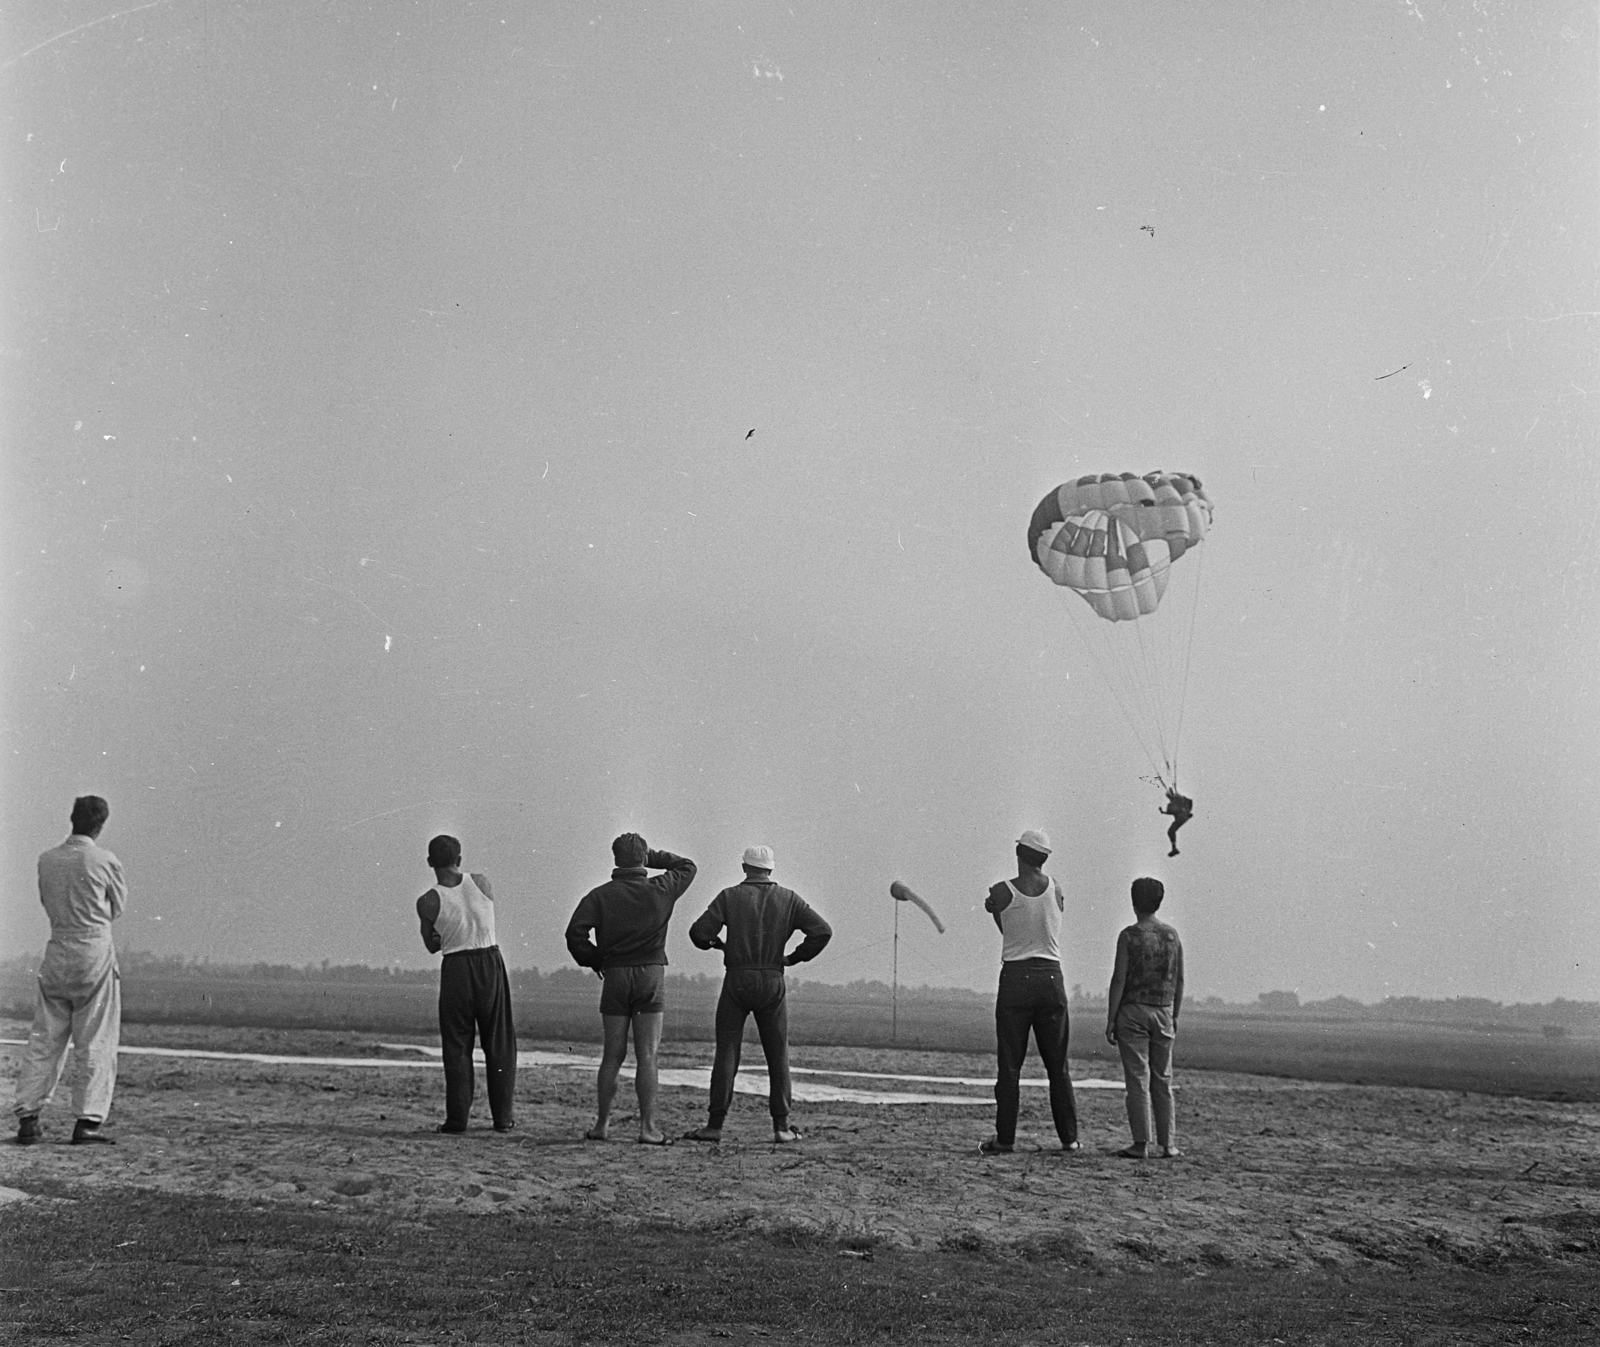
{"points": [[1032, 995], [457, 917]]}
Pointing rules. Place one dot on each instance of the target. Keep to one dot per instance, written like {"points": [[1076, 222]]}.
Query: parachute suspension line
{"points": [[1151, 667], [1087, 633], [1188, 654]]}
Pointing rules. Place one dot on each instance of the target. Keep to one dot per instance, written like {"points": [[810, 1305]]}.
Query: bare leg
{"points": [[611, 1059], [646, 1039]]}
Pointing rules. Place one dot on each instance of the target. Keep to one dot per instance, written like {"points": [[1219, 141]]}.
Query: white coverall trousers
{"points": [[79, 1003]]}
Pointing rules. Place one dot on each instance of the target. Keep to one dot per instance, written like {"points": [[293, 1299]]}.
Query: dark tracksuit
{"points": [[629, 914], [760, 916]]}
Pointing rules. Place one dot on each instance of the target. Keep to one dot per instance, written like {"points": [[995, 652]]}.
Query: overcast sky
{"points": [[376, 388]]}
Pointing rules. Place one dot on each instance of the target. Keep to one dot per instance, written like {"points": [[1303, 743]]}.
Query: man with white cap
{"points": [[759, 916], [79, 997], [1032, 996]]}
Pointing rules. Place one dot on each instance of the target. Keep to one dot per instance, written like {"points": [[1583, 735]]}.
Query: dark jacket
{"points": [[760, 916], [629, 914]]}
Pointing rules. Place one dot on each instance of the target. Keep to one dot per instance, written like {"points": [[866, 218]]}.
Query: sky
{"points": [[375, 413]]}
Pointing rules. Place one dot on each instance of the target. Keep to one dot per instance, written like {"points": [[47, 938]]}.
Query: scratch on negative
{"points": [[420, 804], [93, 23]]}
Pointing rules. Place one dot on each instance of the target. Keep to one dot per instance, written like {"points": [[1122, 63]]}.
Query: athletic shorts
{"points": [[634, 991]]}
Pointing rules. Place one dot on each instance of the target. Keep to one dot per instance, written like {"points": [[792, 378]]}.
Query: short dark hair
{"points": [[1028, 856], [443, 852], [89, 815], [1147, 895], [630, 849]]}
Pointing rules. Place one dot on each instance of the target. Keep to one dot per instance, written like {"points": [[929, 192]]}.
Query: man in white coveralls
{"points": [[80, 990]]}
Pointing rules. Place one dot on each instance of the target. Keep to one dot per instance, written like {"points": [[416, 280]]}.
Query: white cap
{"points": [[758, 858], [1035, 839]]}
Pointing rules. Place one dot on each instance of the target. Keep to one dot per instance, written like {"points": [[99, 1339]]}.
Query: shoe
{"points": [[994, 1146], [505, 1127], [446, 1127], [1073, 1146], [1134, 1153], [87, 1133], [1170, 1153], [28, 1133]]}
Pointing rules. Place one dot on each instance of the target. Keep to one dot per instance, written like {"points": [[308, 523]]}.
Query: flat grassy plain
{"points": [[1362, 1052], [147, 1268], [287, 1203]]}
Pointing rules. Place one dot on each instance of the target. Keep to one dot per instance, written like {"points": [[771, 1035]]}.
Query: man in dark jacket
{"points": [[760, 916], [628, 916]]}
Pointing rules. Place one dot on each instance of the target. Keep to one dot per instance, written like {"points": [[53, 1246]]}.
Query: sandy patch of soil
{"points": [[1275, 1172]]}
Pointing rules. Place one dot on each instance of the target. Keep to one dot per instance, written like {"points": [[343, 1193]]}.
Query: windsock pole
{"points": [[894, 994]]}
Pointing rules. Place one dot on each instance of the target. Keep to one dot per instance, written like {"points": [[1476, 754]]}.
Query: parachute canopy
{"points": [[1114, 538]]}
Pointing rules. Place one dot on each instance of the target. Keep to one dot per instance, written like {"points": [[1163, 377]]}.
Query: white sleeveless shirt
{"points": [[466, 917], [1031, 927]]}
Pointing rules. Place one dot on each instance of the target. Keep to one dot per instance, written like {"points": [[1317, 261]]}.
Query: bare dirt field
{"points": [[1276, 1173]]}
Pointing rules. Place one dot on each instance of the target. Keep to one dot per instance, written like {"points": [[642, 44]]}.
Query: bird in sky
{"points": [[749, 433]]}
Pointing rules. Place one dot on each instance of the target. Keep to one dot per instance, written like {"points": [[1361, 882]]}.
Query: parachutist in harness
{"points": [[1181, 808]]}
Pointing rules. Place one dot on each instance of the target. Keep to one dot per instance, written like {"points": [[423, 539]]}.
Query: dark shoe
{"points": [[994, 1146], [447, 1127], [88, 1133], [28, 1133], [505, 1127]]}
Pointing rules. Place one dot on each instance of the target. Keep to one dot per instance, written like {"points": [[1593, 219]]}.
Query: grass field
{"points": [[1437, 1056], [146, 1268], [277, 1202]]}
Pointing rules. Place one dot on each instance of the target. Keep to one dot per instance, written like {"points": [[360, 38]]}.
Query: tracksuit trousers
{"points": [[745, 992], [474, 994]]}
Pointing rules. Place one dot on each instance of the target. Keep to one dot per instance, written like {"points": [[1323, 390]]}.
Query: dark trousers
{"points": [[474, 994], [1032, 996], [759, 992]]}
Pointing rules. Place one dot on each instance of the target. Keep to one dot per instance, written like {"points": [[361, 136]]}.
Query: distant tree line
{"points": [[1552, 1018]]}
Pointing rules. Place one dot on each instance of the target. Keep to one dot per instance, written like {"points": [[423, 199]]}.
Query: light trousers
{"points": [[1144, 1038], [78, 1004]]}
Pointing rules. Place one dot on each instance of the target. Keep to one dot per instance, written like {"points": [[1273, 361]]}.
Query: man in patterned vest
{"points": [[1142, 1018]]}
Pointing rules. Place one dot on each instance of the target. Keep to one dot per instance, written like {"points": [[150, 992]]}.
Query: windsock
{"points": [[904, 893]]}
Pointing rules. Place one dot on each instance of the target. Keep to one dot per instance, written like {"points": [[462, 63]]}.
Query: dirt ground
{"points": [[1275, 1173]]}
